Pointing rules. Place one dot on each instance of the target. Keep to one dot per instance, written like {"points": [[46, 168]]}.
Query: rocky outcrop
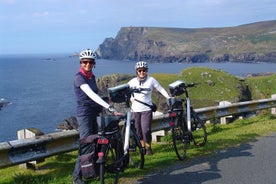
{"points": [[246, 43], [69, 123], [3, 103]]}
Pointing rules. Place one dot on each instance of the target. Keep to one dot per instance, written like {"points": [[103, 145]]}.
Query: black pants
{"points": [[87, 126]]}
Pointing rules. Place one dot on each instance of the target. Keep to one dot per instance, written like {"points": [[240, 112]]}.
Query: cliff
{"points": [[254, 42]]}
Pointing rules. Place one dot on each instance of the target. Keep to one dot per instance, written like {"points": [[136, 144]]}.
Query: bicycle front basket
{"points": [[177, 88], [119, 94], [174, 104], [109, 123]]}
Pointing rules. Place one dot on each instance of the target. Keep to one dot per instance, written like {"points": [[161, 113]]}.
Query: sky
{"points": [[68, 26]]}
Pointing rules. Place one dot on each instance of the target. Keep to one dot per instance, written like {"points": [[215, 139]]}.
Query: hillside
{"points": [[215, 86], [254, 42]]}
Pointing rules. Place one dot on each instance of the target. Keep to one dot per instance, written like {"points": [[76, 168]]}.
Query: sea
{"points": [[40, 87]]}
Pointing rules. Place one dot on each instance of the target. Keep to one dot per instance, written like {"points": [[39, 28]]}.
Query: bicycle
{"points": [[118, 146], [185, 125]]}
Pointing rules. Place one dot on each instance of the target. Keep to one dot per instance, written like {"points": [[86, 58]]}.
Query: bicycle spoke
{"points": [[136, 155], [199, 131]]}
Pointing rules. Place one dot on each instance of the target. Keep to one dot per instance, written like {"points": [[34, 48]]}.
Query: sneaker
{"points": [[149, 151], [78, 181]]}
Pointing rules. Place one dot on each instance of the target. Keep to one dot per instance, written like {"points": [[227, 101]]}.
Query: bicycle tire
{"points": [[109, 167], [180, 142], [113, 164], [102, 172], [199, 134], [136, 152]]}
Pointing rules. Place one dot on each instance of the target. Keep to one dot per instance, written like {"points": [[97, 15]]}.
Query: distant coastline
{"points": [[252, 43]]}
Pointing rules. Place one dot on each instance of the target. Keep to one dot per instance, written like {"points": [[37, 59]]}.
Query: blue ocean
{"points": [[40, 87]]}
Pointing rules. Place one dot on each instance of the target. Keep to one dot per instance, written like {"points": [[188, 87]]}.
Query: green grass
{"points": [[262, 86], [58, 169]]}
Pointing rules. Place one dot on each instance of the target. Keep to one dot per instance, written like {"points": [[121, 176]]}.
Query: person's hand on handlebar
{"points": [[112, 110]]}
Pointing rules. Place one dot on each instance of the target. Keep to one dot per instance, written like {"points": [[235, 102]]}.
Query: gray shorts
{"points": [[143, 125]]}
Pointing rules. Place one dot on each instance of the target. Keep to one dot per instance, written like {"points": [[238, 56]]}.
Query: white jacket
{"points": [[145, 96]]}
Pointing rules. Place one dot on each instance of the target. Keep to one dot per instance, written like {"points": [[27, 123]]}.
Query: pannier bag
{"points": [[88, 156]]}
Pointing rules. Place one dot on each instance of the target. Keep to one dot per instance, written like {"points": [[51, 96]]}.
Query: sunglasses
{"points": [[142, 70], [86, 62]]}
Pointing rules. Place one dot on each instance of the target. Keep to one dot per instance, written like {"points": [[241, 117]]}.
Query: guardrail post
{"points": [[29, 133], [226, 119], [156, 136]]}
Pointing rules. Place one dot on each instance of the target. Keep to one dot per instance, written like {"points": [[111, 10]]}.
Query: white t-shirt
{"points": [[145, 96]]}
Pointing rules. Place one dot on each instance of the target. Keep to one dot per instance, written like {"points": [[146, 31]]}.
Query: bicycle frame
{"points": [[115, 154], [121, 94], [127, 132], [182, 129], [188, 111], [177, 88], [104, 138]]}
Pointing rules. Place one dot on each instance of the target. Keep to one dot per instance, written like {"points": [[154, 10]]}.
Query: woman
{"points": [[142, 113], [89, 105]]}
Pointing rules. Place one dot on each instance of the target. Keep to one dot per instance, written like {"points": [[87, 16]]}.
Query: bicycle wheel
{"points": [[180, 139], [136, 152], [108, 168], [199, 134], [113, 161], [102, 172]]}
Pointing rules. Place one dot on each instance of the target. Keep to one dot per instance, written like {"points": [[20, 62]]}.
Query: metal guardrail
{"points": [[208, 113], [25, 150]]}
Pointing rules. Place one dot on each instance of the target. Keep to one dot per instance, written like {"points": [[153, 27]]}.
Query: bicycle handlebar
{"points": [[179, 87], [122, 93], [193, 84]]}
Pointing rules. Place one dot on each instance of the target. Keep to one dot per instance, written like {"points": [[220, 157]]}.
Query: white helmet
{"points": [[89, 54], [141, 64]]}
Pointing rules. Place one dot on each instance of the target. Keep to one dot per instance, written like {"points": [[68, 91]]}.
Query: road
{"points": [[250, 163]]}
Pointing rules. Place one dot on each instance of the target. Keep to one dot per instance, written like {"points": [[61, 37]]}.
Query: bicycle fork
{"points": [[127, 132], [189, 122]]}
